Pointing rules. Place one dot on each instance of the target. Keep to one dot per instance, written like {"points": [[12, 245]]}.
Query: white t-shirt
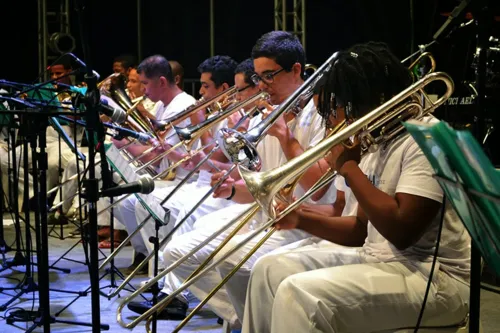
{"points": [[402, 167], [308, 130], [4, 129], [351, 204], [177, 105]]}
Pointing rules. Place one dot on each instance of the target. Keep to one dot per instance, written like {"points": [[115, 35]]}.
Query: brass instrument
{"points": [[164, 126], [241, 148], [118, 80], [216, 102], [383, 124], [188, 136], [309, 69], [424, 55]]}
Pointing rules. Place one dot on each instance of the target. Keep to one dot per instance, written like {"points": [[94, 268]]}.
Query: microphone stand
{"points": [[18, 259], [91, 184], [29, 284]]}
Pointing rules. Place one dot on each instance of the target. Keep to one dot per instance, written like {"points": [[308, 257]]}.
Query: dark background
{"points": [[180, 30]]}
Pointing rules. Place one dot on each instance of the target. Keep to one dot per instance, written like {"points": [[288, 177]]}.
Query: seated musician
{"points": [[59, 71], [156, 75], [178, 72], [124, 63], [70, 203], [377, 279], [279, 60], [135, 90], [190, 194], [216, 75]]}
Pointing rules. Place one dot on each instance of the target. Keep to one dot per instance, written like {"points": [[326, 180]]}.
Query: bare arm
{"points": [[401, 219], [346, 230]]}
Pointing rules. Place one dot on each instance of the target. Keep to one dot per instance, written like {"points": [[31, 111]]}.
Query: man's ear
{"points": [[225, 86], [297, 69], [163, 81], [177, 79]]}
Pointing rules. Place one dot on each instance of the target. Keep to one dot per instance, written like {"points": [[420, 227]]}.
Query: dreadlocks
{"points": [[362, 78]]}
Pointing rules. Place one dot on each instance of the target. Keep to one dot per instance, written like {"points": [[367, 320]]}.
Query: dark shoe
{"points": [[137, 260], [176, 310], [59, 220]]}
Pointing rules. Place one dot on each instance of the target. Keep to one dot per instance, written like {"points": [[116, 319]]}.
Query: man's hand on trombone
{"points": [[225, 189]]}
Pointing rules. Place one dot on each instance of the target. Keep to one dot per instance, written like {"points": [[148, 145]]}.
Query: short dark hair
{"points": [[281, 46], [221, 67], [246, 68], [177, 69], [127, 60], [64, 61], [363, 78], [156, 66]]}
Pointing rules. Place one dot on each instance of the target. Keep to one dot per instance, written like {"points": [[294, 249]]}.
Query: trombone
{"points": [[383, 121], [191, 134], [241, 148], [215, 103], [414, 64]]}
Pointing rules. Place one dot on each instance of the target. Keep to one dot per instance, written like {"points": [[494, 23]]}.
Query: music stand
{"points": [[472, 186]]}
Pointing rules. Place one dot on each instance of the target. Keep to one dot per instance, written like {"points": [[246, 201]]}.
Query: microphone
{"points": [[454, 14], [141, 137], [144, 185], [82, 64], [117, 115]]}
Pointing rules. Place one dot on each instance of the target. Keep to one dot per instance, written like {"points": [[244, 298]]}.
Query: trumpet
{"points": [[383, 124]]}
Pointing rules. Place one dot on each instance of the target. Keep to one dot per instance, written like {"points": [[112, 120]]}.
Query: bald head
{"points": [[178, 72]]}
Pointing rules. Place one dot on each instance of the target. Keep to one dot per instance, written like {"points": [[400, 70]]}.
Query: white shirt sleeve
{"points": [[317, 128], [416, 174], [339, 183]]}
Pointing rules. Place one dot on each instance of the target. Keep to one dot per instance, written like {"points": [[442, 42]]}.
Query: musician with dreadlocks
{"points": [[370, 271]]}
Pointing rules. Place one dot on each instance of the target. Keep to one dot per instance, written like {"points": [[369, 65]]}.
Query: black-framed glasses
{"points": [[243, 89], [267, 78]]}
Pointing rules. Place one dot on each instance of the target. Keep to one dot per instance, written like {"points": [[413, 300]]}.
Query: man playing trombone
{"points": [[216, 76], [376, 278], [279, 61], [156, 75], [191, 194]]}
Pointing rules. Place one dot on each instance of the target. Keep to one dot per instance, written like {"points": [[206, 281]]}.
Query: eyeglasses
{"points": [[267, 78], [243, 89]]}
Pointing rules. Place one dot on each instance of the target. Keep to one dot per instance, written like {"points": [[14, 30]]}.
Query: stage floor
{"points": [[80, 310], [78, 280]]}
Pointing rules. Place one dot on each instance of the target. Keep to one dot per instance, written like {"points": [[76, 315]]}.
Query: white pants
{"points": [[130, 213], [53, 161], [52, 171], [69, 190], [292, 291], [6, 162], [235, 290], [189, 196]]}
